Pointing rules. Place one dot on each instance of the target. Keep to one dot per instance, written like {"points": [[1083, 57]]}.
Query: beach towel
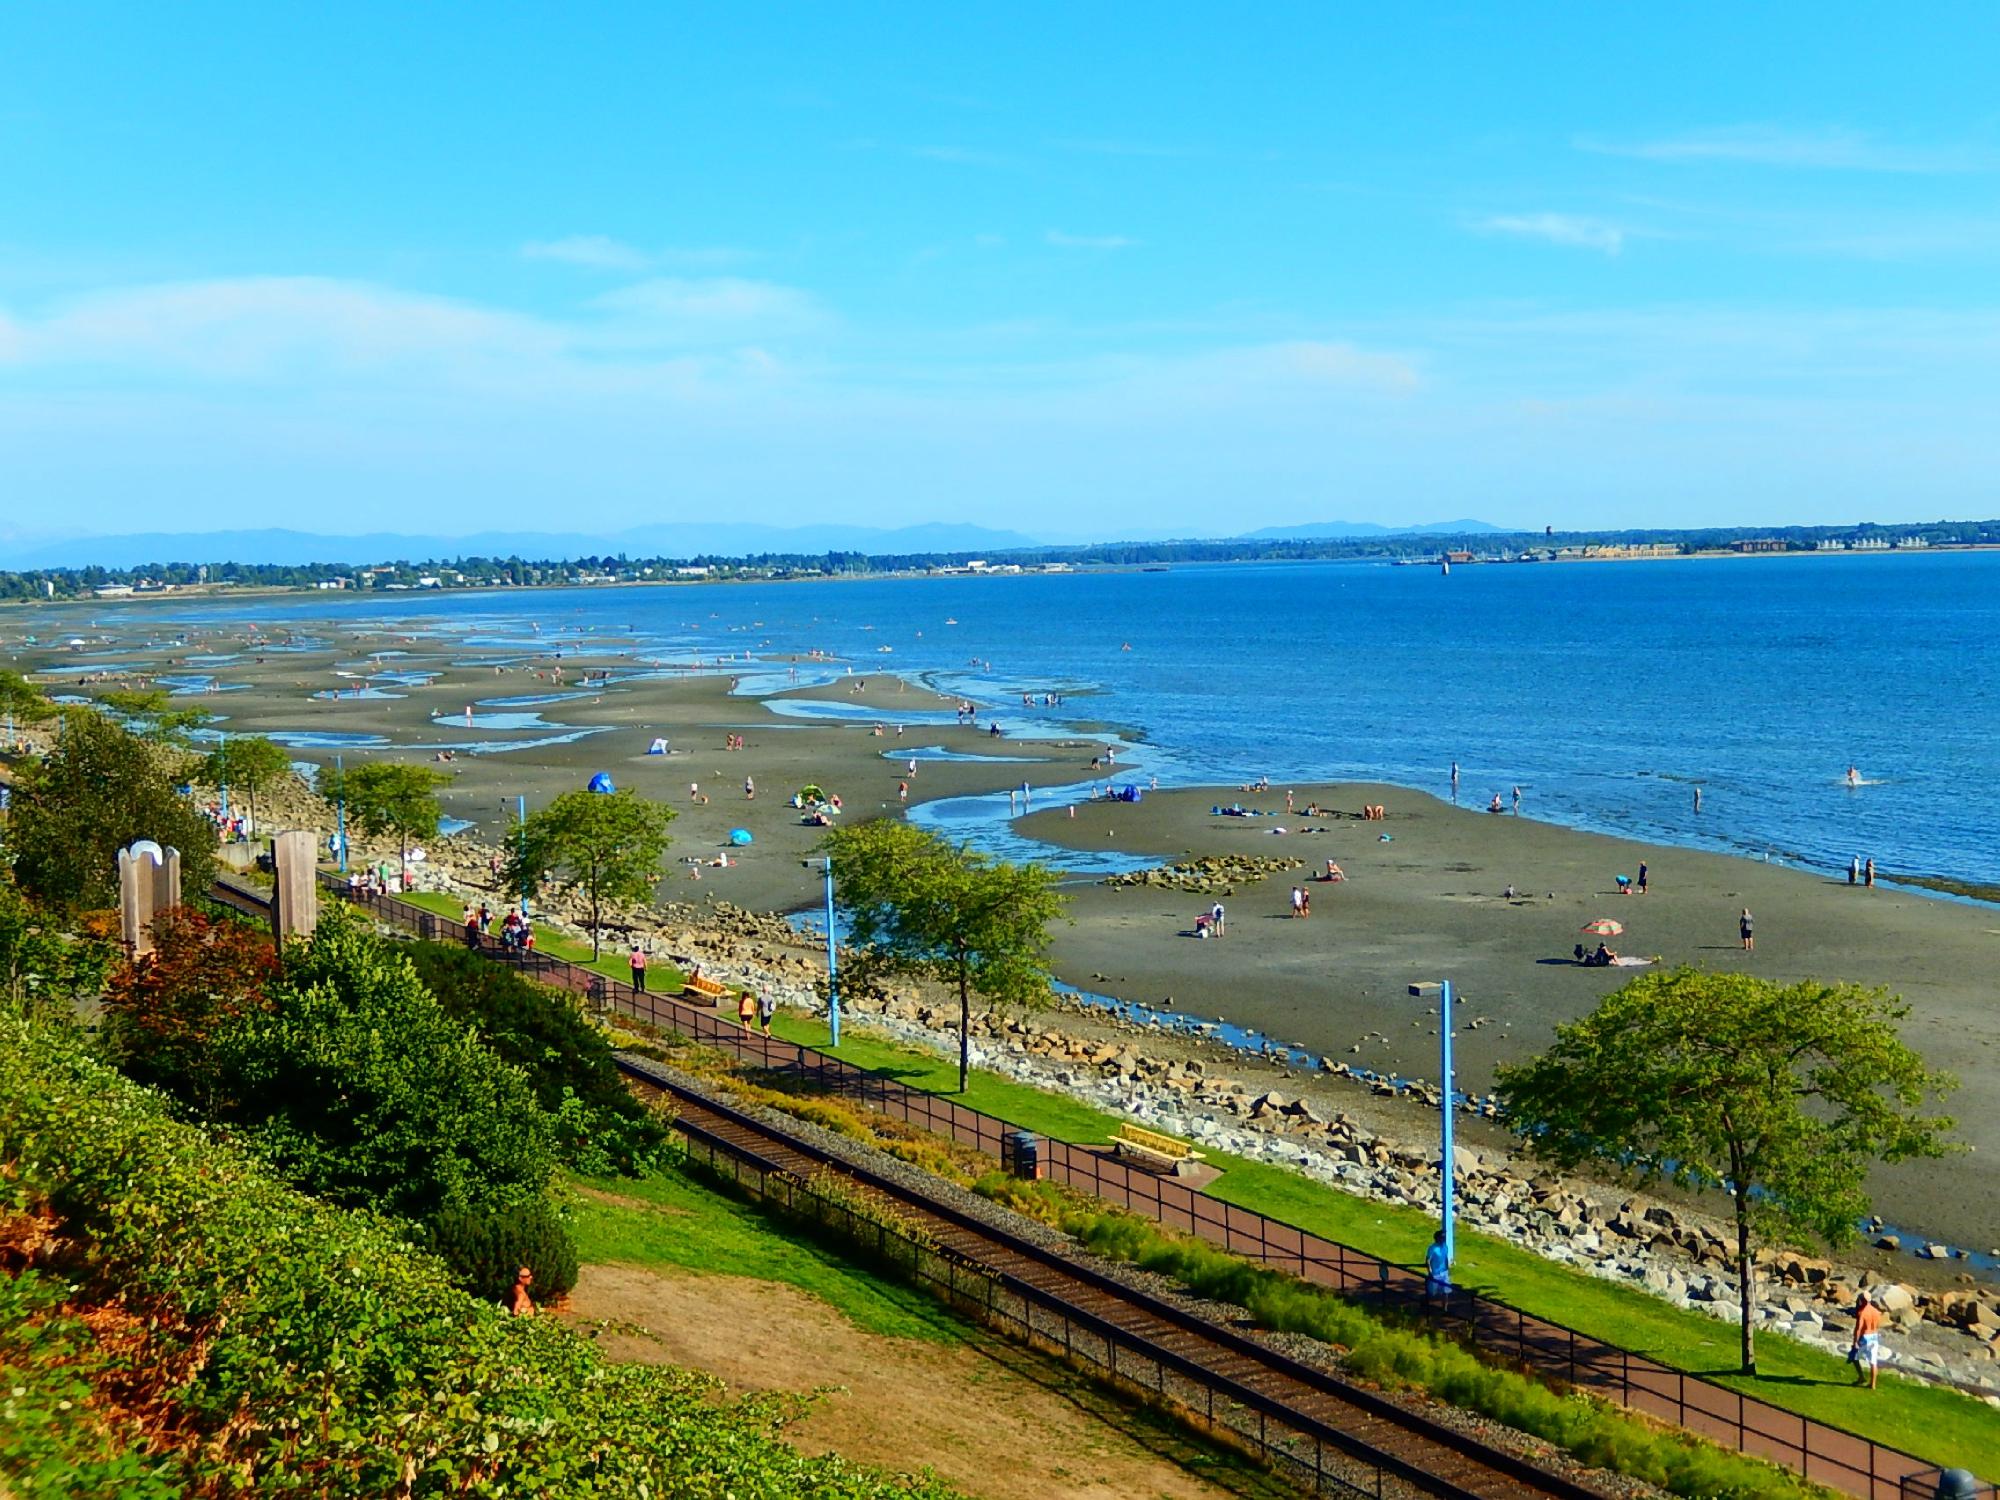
{"points": [[1622, 962]]}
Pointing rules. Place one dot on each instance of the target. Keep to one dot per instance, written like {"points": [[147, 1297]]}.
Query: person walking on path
{"points": [[767, 1009], [1866, 1349], [1437, 1268], [746, 1009], [1868, 873], [1746, 930], [1854, 870], [638, 968]]}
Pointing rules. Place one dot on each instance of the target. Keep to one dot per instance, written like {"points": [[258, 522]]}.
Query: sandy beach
{"points": [[1424, 895]]}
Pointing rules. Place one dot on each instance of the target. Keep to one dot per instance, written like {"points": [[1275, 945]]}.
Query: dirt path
{"points": [[994, 1433]]}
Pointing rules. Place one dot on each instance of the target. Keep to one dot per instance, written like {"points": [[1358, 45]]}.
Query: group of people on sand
{"points": [[1861, 871]]}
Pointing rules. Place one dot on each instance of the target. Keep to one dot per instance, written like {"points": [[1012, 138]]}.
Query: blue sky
{"points": [[1075, 270]]}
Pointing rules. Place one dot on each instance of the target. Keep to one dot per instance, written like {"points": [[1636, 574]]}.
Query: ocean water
{"points": [[1606, 692]]}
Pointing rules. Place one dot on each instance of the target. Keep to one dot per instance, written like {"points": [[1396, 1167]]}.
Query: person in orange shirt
{"points": [[1866, 1350]]}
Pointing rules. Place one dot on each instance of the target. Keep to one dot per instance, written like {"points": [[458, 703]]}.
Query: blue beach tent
{"points": [[740, 837], [601, 783]]}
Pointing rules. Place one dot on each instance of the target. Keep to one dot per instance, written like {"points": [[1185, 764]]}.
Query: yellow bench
{"points": [[1154, 1151], [700, 987]]}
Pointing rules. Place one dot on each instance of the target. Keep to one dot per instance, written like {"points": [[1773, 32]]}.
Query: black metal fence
{"points": [[1821, 1452]]}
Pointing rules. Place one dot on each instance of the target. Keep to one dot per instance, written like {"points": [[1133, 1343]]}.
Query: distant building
{"points": [[1759, 544]]}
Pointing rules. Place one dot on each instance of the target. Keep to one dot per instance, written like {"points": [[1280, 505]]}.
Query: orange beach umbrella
{"points": [[1604, 927]]}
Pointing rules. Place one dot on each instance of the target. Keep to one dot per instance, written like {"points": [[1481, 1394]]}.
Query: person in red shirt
{"points": [[639, 969]]}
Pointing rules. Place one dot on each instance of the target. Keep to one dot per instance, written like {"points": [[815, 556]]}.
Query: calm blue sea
{"points": [[1606, 691]]}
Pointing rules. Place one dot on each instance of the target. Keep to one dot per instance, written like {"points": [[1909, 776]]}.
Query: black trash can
{"points": [[1021, 1155]]}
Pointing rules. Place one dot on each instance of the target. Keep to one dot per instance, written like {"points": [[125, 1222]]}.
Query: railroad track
{"points": [[1413, 1452]]}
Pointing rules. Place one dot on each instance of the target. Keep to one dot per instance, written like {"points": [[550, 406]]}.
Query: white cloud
{"points": [[1558, 229], [598, 252], [1830, 149], [712, 302], [267, 326], [1065, 241]]}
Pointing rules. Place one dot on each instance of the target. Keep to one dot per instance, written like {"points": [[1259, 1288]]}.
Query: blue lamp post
{"points": [[825, 862], [1446, 1176], [340, 813]]}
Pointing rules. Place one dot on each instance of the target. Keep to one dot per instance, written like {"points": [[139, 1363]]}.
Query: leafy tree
{"points": [[1781, 1095], [249, 762], [163, 1013], [40, 962], [100, 789], [600, 1125], [385, 798], [360, 1088], [610, 844], [918, 904], [22, 701], [150, 713]]}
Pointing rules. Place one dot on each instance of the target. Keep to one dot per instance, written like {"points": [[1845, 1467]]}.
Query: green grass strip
{"points": [[666, 1221]]}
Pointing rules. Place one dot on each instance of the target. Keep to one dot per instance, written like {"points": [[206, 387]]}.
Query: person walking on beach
{"points": [[638, 962], [1298, 901], [1854, 870], [1747, 931], [749, 790], [1454, 781], [1868, 873], [1866, 1348], [1517, 802], [903, 792], [1216, 917], [1643, 873]]}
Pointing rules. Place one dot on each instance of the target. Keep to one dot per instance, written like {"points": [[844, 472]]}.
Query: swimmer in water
{"points": [[1853, 777]]}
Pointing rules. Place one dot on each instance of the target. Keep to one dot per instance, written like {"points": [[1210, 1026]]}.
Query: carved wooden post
{"points": [[295, 900], [149, 882]]}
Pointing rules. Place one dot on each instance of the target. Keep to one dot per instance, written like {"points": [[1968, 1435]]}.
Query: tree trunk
{"points": [[596, 930], [1746, 1273], [964, 1024]]}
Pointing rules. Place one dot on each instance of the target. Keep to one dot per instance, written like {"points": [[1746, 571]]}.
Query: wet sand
{"points": [[1427, 904]]}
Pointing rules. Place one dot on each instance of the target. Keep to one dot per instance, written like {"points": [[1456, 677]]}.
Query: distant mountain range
{"points": [[1322, 530], [283, 548]]}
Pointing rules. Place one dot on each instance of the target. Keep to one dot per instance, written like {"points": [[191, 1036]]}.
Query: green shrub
{"points": [[561, 1052], [487, 1250], [359, 1087], [250, 1340]]}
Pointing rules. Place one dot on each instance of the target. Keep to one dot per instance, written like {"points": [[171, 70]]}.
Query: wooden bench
{"points": [[700, 987], [1155, 1152]]}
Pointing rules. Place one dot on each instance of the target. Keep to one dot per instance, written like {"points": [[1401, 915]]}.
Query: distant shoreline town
{"points": [[191, 577]]}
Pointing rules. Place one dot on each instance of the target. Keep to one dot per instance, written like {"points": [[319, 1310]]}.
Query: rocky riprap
{"points": [[1212, 875]]}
